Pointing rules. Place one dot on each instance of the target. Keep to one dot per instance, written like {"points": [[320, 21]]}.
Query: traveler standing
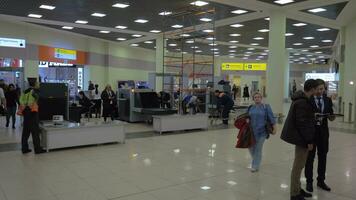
{"points": [[246, 93], [225, 103], [260, 114], [12, 100], [97, 101], [235, 90], [109, 103], [29, 110], [299, 130], [323, 105]]}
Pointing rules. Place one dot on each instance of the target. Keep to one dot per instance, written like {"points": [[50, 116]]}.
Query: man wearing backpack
{"points": [[29, 109], [299, 130]]}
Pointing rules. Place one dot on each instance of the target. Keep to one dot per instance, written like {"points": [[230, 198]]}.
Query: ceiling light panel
{"points": [[205, 19], [308, 38], [177, 26], [98, 15], [165, 13], [81, 22], [47, 7], [67, 27], [299, 24], [137, 35], [155, 31], [289, 34], [263, 30], [199, 3], [283, 2], [239, 12], [236, 25], [317, 10], [235, 35], [121, 5], [121, 27], [121, 39], [258, 38], [34, 16], [141, 21], [106, 32], [323, 29]]}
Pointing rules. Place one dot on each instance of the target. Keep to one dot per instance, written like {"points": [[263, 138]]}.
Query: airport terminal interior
{"points": [[141, 99]]}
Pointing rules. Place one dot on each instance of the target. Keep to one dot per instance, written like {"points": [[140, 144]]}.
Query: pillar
{"points": [[342, 62], [349, 73], [30, 69], [159, 62], [277, 77]]}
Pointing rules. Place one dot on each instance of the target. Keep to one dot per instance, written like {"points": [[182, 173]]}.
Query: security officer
{"points": [[225, 103], [323, 105], [29, 109]]}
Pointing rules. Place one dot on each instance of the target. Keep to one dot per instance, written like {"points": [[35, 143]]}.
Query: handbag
{"points": [[269, 125]]}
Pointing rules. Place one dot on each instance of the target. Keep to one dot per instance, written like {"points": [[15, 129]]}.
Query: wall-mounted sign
{"points": [[65, 54], [54, 64], [328, 77], [12, 42], [244, 66], [80, 78]]}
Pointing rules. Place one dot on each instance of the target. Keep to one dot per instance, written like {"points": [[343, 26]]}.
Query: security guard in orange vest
{"points": [[29, 110]]}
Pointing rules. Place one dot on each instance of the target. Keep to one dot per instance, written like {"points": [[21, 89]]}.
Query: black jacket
{"points": [[225, 101], [12, 98], [299, 127], [328, 108]]}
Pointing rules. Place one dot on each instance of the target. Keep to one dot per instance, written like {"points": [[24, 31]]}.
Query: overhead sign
{"points": [[12, 42], [328, 77], [244, 66], [54, 64], [65, 54]]}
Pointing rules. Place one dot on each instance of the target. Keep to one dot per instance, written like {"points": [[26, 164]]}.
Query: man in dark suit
{"points": [[323, 105]]}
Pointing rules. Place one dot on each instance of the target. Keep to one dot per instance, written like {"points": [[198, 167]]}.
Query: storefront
{"points": [[59, 65], [11, 70]]}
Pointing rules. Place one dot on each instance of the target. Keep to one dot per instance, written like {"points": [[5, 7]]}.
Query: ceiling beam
{"points": [[348, 14], [250, 4], [313, 19], [312, 4]]}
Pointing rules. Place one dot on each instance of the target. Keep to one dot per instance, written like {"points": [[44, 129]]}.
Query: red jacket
{"points": [[245, 138]]}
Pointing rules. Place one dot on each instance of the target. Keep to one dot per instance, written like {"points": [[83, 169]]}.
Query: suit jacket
{"points": [[328, 108]]}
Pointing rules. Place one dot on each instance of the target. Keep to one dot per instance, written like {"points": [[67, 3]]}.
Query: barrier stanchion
{"points": [[350, 112]]}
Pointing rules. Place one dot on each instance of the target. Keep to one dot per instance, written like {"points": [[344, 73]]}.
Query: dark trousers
{"points": [[322, 147], [11, 113], [31, 127], [225, 114]]}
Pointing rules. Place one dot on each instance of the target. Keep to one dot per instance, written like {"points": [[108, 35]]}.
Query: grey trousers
{"points": [[300, 158]]}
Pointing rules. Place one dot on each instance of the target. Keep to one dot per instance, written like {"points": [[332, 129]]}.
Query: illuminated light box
{"points": [[244, 66], [328, 77], [65, 54], [12, 42]]}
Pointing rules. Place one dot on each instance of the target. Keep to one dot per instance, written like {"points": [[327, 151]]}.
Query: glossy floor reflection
{"points": [[192, 166]]}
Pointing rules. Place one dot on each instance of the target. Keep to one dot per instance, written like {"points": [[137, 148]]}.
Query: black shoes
{"points": [[310, 187], [26, 151], [323, 186], [40, 151], [305, 194]]}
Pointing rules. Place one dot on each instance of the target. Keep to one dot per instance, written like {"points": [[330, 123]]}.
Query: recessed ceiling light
{"points": [[245, 58], [319, 52], [317, 10], [231, 56], [267, 18], [323, 29], [289, 34], [236, 25], [305, 50], [177, 26], [232, 47], [266, 50], [134, 45], [199, 3], [299, 24], [67, 27], [249, 52], [81, 22], [321, 56], [121, 39], [309, 55], [148, 42], [137, 35], [172, 45], [141, 21], [308, 38], [254, 44], [185, 35], [283, 2], [327, 41], [258, 59], [263, 30], [165, 13], [104, 31], [206, 19], [314, 46], [232, 51], [235, 35], [213, 44], [121, 27], [47, 7], [239, 12], [98, 15], [214, 49], [289, 48], [120, 5], [190, 42], [155, 31], [298, 44], [198, 51], [251, 49], [210, 38], [258, 38], [34, 15], [297, 54], [234, 41], [208, 31]]}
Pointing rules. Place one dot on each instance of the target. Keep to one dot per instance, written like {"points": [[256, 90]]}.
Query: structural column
{"points": [[341, 55], [278, 63], [159, 62], [31, 69], [349, 73]]}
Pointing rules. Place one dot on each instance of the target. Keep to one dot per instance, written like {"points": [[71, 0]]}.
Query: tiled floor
{"points": [[192, 166]]}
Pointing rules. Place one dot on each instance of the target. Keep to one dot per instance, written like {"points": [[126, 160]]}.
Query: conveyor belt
{"points": [[157, 111]]}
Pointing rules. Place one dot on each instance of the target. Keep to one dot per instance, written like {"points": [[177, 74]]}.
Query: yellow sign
{"points": [[255, 66], [244, 66], [65, 54], [232, 66]]}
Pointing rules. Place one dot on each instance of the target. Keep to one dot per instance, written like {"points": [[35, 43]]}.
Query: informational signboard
{"points": [[65, 54], [328, 77], [244, 66], [12, 42], [54, 64]]}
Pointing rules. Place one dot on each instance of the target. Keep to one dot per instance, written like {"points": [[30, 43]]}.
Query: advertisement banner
{"points": [[65, 54]]}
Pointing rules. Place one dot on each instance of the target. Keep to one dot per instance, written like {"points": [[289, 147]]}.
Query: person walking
{"points": [[29, 109], [299, 130], [12, 100], [109, 103], [260, 114], [225, 103], [323, 105]]}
